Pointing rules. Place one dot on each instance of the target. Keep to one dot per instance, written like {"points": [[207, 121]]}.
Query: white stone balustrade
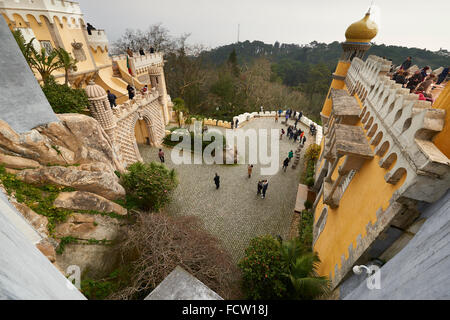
{"points": [[98, 39]]}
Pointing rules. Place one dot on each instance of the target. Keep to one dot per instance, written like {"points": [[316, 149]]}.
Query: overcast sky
{"points": [[411, 23]]}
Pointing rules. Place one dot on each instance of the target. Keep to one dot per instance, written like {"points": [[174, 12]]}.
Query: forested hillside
{"points": [[242, 77]]}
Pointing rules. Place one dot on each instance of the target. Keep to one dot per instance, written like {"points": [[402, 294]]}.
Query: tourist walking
{"points": [[265, 185], [237, 123], [304, 140], [276, 117], [232, 124], [282, 134], [285, 164], [141, 52], [112, 99], [217, 181], [291, 155], [250, 170], [260, 186], [287, 117], [130, 90], [161, 156]]}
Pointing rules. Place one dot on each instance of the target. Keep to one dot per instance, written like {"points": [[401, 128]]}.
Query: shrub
{"points": [[312, 153], [149, 185], [305, 229], [156, 244], [64, 99], [281, 270], [310, 181], [262, 269]]}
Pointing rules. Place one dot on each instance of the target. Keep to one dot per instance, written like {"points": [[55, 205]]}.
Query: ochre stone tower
{"points": [[358, 37]]}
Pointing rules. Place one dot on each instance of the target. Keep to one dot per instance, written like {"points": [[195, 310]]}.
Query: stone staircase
{"points": [[297, 156]]}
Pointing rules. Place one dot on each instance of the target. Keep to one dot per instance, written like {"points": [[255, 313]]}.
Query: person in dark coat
{"points": [[130, 90], [401, 78], [406, 64], [112, 99], [285, 164], [443, 75], [152, 50], [141, 52], [265, 185], [237, 123], [424, 73], [89, 28], [414, 81], [217, 181], [260, 186]]}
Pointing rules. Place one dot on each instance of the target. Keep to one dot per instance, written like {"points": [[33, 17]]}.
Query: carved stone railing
{"points": [[98, 38]]}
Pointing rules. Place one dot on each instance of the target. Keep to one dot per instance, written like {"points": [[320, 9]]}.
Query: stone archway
{"points": [[143, 130]]}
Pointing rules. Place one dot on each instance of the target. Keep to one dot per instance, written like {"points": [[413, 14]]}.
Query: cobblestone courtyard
{"points": [[234, 213]]}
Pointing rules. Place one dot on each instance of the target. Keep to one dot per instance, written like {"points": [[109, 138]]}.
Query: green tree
{"points": [[233, 64], [304, 282], [26, 48], [64, 99], [45, 63], [263, 270], [149, 185], [68, 63], [273, 269]]}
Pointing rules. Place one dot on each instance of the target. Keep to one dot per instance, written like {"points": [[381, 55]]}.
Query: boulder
{"points": [[13, 162], [38, 221], [78, 226], [80, 200], [104, 183], [47, 250], [76, 139]]}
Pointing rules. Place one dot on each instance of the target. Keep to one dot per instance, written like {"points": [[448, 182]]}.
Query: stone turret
{"points": [[158, 81], [100, 108]]}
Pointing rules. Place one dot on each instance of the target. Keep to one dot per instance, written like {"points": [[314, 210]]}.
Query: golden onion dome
{"points": [[363, 30]]}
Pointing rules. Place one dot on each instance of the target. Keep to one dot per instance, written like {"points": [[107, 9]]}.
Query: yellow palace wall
{"points": [[68, 35], [442, 140], [367, 192], [341, 70]]}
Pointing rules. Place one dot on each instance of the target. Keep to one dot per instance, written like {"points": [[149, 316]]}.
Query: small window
{"points": [[47, 45]]}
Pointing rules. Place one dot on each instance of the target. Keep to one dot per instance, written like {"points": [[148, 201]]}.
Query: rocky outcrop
{"points": [[38, 221], [76, 139], [96, 260], [80, 200], [47, 249], [13, 162], [78, 226], [104, 183]]}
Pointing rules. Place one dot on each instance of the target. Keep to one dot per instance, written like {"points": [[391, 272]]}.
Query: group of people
{"points": [[291, 114], [420, 82], [141, 51], [294, 134]]}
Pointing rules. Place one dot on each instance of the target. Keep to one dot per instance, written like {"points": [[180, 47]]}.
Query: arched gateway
{"points": [[139, 120]]}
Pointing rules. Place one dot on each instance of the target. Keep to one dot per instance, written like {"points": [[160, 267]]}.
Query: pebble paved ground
{"points": [[234, 213]]}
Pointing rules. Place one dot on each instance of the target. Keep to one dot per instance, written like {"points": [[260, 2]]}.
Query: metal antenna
{"points": [[239, 31]]}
